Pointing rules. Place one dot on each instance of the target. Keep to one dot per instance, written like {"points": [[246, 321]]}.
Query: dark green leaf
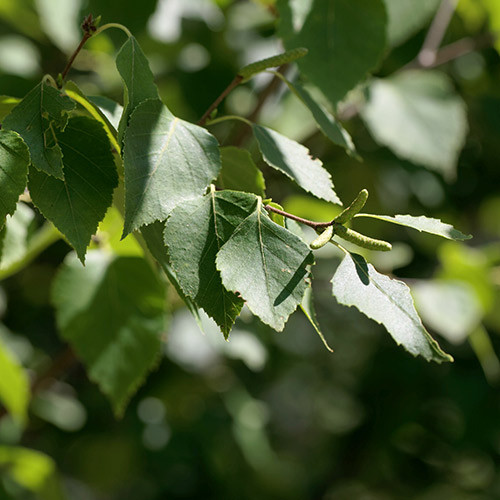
{"points": [[14, 161], [153, 236], [78, 203], [267, 266], [423, 224], [345, 38], [294, 161], [325, 120], [194, 233], [418, 115], [112, 312], [139, 82], [386, 301], [167, 161], [239, 172], [36, 119]]}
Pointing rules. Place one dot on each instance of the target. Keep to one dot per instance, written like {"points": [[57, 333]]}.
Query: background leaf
{"points": [[423, 224], [167, 161], [295, 162], [345, 39], [406, 17], [417, 115], [386, 301], [194, 233], [239, 172], [78, 203], [35, 119], [14, 160], [14, 385], [267, 265], [112, 312]]}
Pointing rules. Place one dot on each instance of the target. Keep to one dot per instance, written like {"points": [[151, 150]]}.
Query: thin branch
{"points": [[435, 35], [307, 222]]}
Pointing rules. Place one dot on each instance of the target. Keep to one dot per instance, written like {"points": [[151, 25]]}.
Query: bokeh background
{"points": [[271, 415]]}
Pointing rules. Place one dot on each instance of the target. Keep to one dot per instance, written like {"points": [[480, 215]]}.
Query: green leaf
{"points": [[78, 203], [34, 471], [194, 233], [327, 123], [386, 301], [7, 104], [294, 160], [307, 306], [167, 161], [267, 266], [239, 172], [153, 236], [112, 312], [14, 386], [73, 91], [36, 118], [345, 38], [14, 161], [406, 17], [138, 79], [419, 117], [423, 224]]}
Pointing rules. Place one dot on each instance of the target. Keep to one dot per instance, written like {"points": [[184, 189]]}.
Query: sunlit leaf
{"points": [[388, 302], [294, 160], [267, 266], [36, 119], [423, 224], [167, 161]]}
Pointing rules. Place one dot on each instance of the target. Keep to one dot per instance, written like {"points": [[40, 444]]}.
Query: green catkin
{"points": [[271, 62], [322, 239], [354, 208], [361, 240]]}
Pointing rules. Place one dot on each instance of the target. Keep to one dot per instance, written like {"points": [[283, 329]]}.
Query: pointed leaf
{"points": [[307, 306], [267, 265], [294, 160], [167, 161], [14, 161], [153, 236], [345, 38], [239, 172], [112, 312], [36, 119], [419, 116], [325, 120], [78, 203], [14, 385], [139, 81], [423, 224], [194, 233], [386, 301]]}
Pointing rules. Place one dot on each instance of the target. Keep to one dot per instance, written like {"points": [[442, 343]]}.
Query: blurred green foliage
{"points": [[273, 415]]}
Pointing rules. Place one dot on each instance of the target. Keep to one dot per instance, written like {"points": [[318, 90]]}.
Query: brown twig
{"points": [[89, 28], [307, 222], [236, 81], [435, 35]]}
